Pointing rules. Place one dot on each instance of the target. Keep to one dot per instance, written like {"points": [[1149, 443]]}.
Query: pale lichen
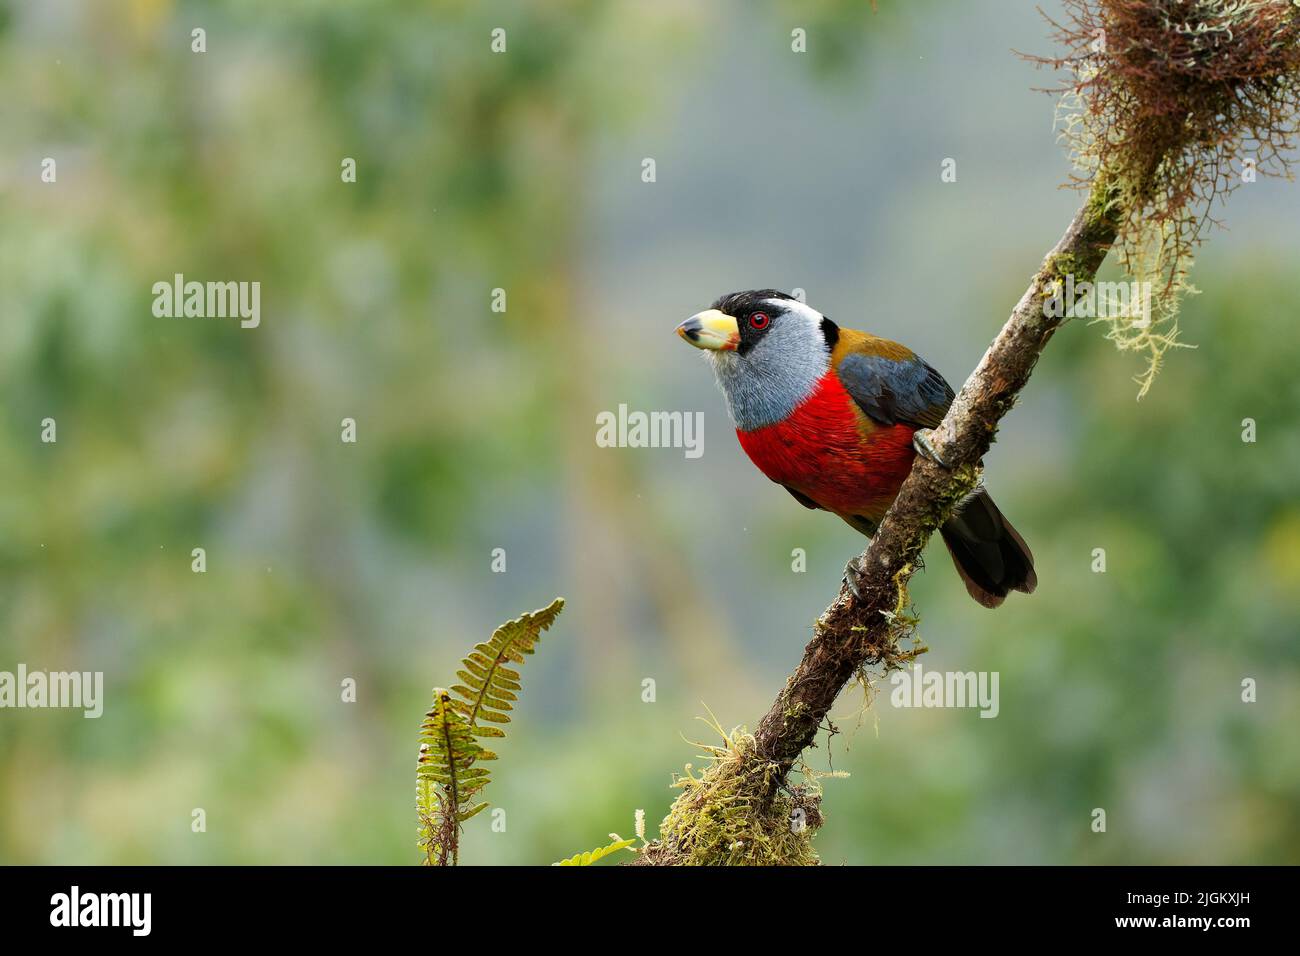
{"points": [[1173, 104]]}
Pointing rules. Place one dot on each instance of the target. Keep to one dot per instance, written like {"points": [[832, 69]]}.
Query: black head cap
{"points": [[740, 304]]}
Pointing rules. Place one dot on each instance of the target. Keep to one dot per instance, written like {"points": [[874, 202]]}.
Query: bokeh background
{"points": [[476, 430]]}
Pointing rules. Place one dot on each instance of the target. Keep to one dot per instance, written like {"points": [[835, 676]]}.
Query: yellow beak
{"points": [[711, 329]]}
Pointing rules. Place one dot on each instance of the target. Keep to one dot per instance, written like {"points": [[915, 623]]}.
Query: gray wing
{"points": [[890, 391]]}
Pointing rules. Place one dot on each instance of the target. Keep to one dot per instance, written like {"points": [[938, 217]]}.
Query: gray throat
{"points": [[764, 387]]}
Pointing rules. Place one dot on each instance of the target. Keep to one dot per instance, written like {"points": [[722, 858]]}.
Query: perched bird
{"points": [[837, 417]]}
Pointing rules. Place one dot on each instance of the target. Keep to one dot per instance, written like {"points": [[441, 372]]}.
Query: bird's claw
{"points": [[924, 447], [851, 572]]}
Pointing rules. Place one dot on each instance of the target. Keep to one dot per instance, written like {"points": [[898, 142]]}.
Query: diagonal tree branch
{"points": [[1169, 92], [853, 633]]}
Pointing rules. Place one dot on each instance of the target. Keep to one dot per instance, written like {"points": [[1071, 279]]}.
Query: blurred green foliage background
{"points": [[522, 171]]}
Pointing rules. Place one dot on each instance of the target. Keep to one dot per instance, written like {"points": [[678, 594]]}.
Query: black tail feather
{"points": [[990, 555]]}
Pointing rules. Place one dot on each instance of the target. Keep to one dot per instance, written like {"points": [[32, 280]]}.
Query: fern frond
{"points": [[448, 775], [591, 856], [490, 686], [447, 778]]}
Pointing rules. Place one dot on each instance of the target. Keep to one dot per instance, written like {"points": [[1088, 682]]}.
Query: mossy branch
{"points": [[853, 633]]}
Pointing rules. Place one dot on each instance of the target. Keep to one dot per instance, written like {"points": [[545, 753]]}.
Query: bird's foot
{"points": [[851, 572], [924, 447]]}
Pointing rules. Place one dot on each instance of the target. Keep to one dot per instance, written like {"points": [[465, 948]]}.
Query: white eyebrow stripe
{"points": [[795, 306]]}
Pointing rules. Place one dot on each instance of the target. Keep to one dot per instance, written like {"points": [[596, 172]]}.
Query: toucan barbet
{"points": [[837, 416]]}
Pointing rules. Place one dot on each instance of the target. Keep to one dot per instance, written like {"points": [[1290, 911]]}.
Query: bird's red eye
{"points": [[759, 321]]}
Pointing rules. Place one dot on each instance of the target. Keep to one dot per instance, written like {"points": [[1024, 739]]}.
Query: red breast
{"points": [[828, 450]]}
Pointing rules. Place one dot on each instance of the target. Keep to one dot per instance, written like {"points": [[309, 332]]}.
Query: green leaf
{"points": [[591, 856]]}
